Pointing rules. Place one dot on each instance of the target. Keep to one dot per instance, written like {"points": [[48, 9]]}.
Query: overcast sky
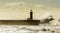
{"points": [[19, 8], [53, 3]]}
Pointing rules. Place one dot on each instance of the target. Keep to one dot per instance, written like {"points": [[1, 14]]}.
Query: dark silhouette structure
{"points": [[29, 21], [31, 15]]}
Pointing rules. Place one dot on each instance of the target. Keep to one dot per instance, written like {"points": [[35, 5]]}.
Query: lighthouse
{"points": [[31, 15]]}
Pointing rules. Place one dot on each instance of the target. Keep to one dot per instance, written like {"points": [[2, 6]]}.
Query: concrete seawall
{"points": [[19, 22]]}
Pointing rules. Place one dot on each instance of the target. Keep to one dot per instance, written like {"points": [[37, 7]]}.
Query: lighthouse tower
{"points": [[31, 15]]}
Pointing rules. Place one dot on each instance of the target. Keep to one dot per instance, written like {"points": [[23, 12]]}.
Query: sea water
{"points": [[4, 28]]}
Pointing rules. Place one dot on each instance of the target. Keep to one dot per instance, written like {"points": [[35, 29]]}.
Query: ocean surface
{"points": [[29, 29]]}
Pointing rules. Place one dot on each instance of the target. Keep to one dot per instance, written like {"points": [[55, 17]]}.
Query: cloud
{"points": [[38, 5], [53, 3], [14, 4], [41, 7]]}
